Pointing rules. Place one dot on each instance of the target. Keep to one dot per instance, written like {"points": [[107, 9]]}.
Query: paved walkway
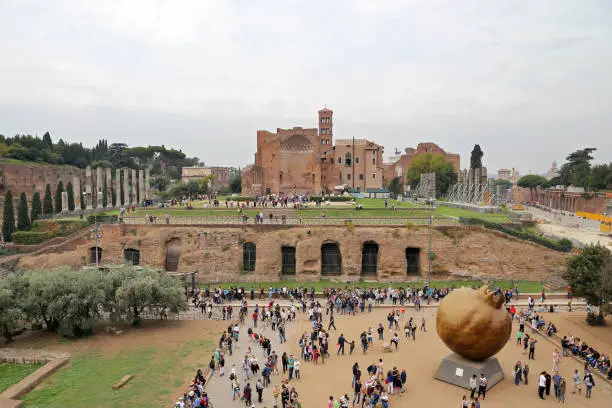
{"points": [[219, 388]]}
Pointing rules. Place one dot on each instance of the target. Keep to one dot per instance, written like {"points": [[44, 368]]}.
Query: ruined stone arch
{"points": [[173, 254], [95, 255]]}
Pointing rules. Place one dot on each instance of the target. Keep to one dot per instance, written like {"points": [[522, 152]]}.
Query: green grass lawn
{"points": [[11, 374], [88, 379], [372, 208], [524, 286]]}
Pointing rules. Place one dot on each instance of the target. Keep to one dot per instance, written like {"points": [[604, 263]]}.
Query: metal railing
{"points": [[290, 220]]}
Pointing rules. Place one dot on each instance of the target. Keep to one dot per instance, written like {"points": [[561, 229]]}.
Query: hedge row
{"points": [[31, 237], [562, 245], [331, 198]]}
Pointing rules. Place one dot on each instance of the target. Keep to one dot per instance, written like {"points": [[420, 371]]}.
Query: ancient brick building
{"points": [[400, 166], [300, 160], [266, 253]]}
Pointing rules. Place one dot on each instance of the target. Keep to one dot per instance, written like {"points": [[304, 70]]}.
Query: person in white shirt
{"points": [[542, 384], [473, 385], [296, 369]]}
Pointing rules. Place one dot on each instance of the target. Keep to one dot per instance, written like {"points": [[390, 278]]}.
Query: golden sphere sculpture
{"points": [[473, 323]]}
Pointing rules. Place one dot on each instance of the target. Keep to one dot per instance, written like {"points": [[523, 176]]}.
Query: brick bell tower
{"points": [[326, 125]]}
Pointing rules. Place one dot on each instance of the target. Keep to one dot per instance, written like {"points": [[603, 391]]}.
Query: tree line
{"points": [[51, 204], [70, 302], [576, 171], [164, 162]]}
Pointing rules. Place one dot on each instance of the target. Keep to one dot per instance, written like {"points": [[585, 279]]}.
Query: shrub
{"points": [[31, 237], [561, 245], [595, 319], [8, 220]]}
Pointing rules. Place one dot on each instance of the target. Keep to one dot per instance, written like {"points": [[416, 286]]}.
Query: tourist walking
{"points": [[589, 384], [259, 387], [577, 381], [518, 372], [555, 360], [532, 343], [525, 374], [561, 396]]}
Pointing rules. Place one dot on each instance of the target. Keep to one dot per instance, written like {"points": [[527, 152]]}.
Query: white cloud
{"points": [[503, 74]]}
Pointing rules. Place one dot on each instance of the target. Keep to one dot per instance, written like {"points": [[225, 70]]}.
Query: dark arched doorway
{"points": [[369, 258], [413, 261], [131, 256], [173, 255], [95, 255], [331, 259]]}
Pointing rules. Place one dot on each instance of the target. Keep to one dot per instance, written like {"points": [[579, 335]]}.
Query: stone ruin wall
{"points": [[29, 178], [215, 253]]}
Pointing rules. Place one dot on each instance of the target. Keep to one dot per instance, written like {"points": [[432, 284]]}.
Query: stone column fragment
{"points": [[141, 188], [109, 188], [126, 187], [76, 189], [118, 187], [88, 193], [134, 188], [148, 184], [99, 186], [64, 202]]}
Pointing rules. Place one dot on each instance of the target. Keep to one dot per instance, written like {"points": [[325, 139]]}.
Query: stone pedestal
{"points": [[457, 370]]}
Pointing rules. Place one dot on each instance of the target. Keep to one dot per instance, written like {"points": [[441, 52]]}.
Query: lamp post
{"points": [[429, 252], [97, 235]]}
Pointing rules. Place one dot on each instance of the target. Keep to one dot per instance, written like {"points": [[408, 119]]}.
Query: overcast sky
{"points": [[530, 81]]}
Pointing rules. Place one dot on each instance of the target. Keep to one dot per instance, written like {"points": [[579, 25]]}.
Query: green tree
{"points": [[23, 219], [476, 157], [48, 201], [590, 276], [206, 183], [47, 140], [395, 186], [58, 197], [8, 221], [236, 183], [113, 196], [36, 207], [532, 181], [503, 184], [577, 170], [602, 176], [153, 291], [70, 192], [82, 199], [432, 163], [10, 309]]}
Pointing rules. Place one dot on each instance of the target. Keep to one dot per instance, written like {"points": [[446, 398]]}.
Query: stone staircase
{"points": [[555, 283]]}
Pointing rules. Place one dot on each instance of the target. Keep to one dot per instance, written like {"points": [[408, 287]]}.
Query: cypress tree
{"points": [[36, 207], [8, 224], [114, 197], [48, 204], [58, 197], [23, 220], [83, 205], [104, 194], [70, 192]]}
